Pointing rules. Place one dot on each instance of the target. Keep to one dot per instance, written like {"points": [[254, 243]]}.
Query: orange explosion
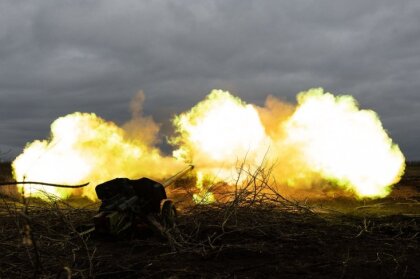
{"points": [[325, 141], [85, 148]]}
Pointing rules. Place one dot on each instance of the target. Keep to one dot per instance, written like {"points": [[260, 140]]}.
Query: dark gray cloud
{"points": [[57, 57]]}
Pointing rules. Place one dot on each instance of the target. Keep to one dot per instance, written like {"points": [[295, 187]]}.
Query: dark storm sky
{"points": [[57, 57]]}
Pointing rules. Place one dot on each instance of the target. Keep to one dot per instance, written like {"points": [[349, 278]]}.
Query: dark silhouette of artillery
{"points": [[127, 203]]}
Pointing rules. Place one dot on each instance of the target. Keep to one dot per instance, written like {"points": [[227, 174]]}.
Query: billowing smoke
{"points": [[84, 147], [323, 143], [141, 128]]}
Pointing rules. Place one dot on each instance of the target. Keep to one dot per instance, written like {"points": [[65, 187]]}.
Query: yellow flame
{"points": [[324, 138], [216, 134], [218, 131], [344, 144], [324, 142], [85, 148], [204, 196]]}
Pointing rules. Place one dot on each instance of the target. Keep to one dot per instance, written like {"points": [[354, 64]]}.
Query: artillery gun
{"points": [[127, 203]]}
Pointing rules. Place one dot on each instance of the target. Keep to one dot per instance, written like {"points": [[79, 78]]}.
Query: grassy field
{"points": [[251, 235]]}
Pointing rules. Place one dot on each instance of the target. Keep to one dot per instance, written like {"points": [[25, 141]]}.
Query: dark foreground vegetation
{"points": [[253, 234]]}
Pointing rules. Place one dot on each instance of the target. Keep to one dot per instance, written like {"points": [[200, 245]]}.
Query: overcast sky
{"points": [[57, 57]]}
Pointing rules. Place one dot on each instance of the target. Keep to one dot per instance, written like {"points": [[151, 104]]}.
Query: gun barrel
{"points": [[128, 203], [173, 178]]}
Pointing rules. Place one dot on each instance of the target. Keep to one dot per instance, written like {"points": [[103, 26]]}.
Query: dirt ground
{"points": [[246, 237]]}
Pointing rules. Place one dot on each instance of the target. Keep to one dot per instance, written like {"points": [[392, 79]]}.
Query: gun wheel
{"points": [[168, 214]]}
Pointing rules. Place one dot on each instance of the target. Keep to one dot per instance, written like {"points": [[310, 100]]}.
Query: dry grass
{"points": [[254, 233]]}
